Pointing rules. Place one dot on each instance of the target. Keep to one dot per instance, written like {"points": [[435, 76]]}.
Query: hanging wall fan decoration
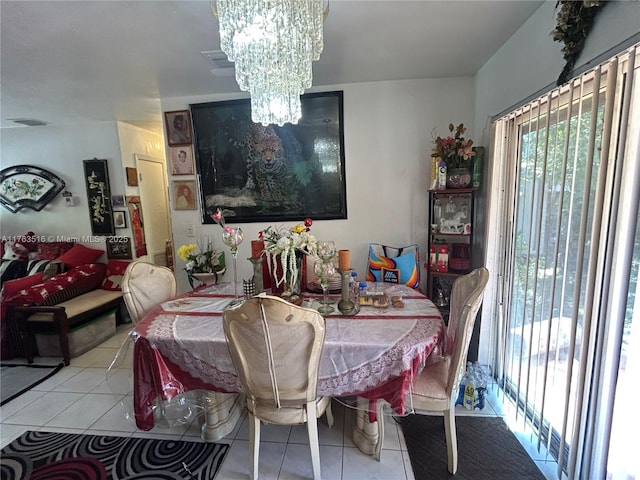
{"points": [[25, 186]]}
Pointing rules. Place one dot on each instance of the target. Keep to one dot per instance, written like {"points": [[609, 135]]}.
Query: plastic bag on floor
{"points": [[473, 386]]}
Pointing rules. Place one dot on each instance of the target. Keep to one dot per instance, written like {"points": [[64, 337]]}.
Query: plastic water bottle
{"points": [[353, 287]]}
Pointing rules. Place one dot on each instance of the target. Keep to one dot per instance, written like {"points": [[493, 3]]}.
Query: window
{"points": [[565, 221]]}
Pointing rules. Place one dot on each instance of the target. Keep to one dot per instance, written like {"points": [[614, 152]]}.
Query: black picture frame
{"points": [[120, 218], [303, 175], [26, 186], [96, 176], [119, 248]]}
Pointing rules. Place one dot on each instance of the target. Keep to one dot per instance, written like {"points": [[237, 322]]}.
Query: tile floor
{"points": [[78, 400]]}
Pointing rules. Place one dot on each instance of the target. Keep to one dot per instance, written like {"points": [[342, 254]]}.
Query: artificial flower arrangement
{"points": [[202, 257], [285, 243], [455, 150]]}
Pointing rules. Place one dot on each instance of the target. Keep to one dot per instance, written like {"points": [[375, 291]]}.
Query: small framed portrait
{"points": [[132, 176], [120, 219], [184, 194], [117, 201], [119, 248], [178, 124], [181, 160]]}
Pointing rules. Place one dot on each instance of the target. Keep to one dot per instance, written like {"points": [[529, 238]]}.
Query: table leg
{"points": [[365, 432], [221, 414]]}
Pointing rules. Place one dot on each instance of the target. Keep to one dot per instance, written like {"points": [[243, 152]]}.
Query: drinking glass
{"points": [[326, 250], [325, 270], [232, 237]]}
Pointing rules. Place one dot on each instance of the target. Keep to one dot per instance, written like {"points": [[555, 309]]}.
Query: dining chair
{"points": [[275, 347], [435, 389], [145, 285]]}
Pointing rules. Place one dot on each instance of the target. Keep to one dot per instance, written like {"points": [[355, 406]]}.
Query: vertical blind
{"points": [[557, 186]]}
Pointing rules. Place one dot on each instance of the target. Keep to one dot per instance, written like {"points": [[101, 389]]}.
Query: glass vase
{"points": [[458, 177]]}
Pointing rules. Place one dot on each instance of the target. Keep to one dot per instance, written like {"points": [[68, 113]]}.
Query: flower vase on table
{"points": [[287, 250], [232, 238], [202, 262]]}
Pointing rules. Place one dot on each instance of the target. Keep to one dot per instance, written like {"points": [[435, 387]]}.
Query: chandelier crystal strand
{"points": [[273, 44]]}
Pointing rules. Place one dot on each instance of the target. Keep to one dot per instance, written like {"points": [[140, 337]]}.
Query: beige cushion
{"points": [[75, 306], [432, 382]]}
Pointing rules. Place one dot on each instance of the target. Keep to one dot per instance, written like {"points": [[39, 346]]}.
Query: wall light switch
{"points": [[191, 231]]}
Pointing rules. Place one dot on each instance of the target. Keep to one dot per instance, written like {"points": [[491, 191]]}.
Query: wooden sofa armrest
{"points": [[60, 325]]}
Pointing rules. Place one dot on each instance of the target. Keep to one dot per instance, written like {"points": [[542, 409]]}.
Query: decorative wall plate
{"points": [[24, 186]]}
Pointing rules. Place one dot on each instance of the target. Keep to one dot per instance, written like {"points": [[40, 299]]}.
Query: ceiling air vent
{"points": [[28, 122], [221, 64]]}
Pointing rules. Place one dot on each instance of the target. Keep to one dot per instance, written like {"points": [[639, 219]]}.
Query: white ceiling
{"points": [[77, 61]]}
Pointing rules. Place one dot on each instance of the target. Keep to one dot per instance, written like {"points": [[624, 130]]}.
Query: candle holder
{"points": [[346, 305]]}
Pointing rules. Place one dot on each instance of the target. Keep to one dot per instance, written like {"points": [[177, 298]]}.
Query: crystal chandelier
{"points": [[273, 43]]}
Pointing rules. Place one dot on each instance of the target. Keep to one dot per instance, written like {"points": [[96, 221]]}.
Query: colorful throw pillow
{"points": [[394, 265], [79, 255], [115, 271]]}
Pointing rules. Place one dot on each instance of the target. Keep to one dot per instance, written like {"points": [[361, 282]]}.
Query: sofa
{"points": [[57, 288]]}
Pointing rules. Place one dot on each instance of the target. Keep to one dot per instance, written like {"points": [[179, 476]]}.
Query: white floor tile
{"points": [[85, 412], [60, 377], [8, 433], [115, 420], [19, 403], [358, 466], [45, 408], [268, 432], [297, 462], [84, 381], [236, 463]]}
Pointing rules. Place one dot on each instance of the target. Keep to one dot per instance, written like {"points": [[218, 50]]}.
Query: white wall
{"points": [[529, 62], [61, 151], [387, 131]]}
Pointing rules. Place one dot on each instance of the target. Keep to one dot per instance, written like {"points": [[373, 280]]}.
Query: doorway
{"points": [[152, 183]]}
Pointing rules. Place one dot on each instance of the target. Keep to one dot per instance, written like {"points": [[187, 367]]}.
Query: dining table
{"points": [[374, 354]]}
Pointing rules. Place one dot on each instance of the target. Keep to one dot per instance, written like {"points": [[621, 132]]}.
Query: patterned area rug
{"points": [[51, 456], [486, 449]]}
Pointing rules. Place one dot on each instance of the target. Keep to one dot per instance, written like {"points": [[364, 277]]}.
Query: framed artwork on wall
{"points": [[96, 176], [137, 225], [120, 219], [257, 173], [178, 124], [184, 197], [132, 176], [119, 248], [117, 201], [181, 160], [25, 186]]}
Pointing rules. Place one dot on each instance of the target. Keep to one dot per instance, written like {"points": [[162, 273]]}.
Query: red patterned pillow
{"points": [[13, 290], [115, 271], [80, 255], [52, 250], [67, 285]]}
